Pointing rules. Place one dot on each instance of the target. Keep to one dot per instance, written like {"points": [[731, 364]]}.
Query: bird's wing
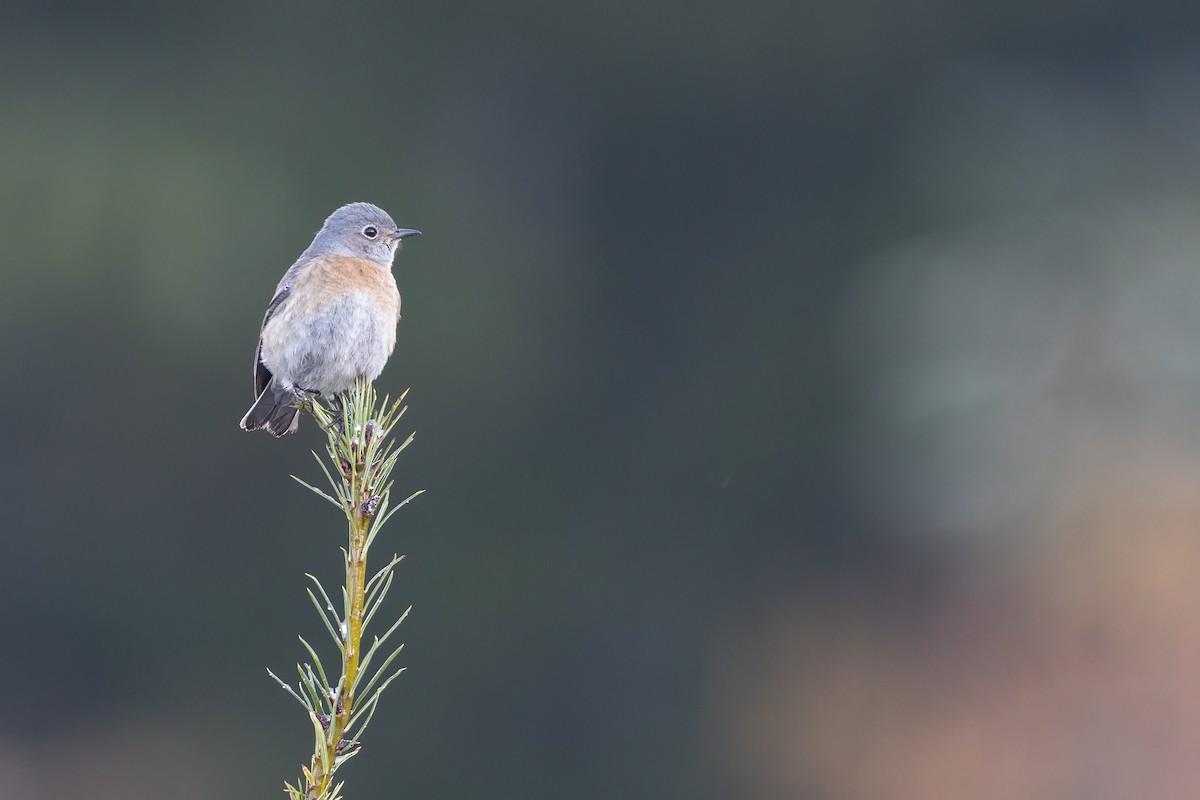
{"points": [[262, 375]]}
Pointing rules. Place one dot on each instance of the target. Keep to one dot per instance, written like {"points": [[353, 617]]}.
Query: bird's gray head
{"points": [[360, 230]]}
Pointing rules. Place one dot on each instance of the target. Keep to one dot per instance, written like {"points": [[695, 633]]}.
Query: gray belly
{"points": [[330, 348]]}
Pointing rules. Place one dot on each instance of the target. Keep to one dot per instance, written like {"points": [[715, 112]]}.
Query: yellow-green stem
{"points": [[361, 458], [356, 570]]}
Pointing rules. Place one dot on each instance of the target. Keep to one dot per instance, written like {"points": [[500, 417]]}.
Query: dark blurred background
{"points": [[807, 394]]}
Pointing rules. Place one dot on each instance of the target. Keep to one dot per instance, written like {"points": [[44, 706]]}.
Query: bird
{"points": [[332, 318]]}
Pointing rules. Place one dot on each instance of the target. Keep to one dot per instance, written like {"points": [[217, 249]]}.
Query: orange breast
{"points": [[332, 277]]}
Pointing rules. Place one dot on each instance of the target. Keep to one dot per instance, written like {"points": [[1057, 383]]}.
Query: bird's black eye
{"points": [[370, 232]]}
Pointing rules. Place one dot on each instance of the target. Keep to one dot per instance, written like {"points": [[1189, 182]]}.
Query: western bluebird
{"points": [[332, 319]]}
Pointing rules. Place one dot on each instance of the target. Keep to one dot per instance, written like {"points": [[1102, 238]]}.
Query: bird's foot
{"points": [[336, 405]]}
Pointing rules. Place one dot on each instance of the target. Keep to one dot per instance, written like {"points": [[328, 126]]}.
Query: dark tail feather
{"points": [[273, 410]]}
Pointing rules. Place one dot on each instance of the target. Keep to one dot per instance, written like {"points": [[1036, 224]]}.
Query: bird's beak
{"points": [[404, 233]]}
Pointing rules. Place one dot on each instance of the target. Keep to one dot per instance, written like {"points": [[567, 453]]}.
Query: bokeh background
{"points": [[808, 395]]}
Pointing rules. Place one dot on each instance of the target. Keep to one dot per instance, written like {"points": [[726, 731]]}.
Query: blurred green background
{"points": [[807, 395]]}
